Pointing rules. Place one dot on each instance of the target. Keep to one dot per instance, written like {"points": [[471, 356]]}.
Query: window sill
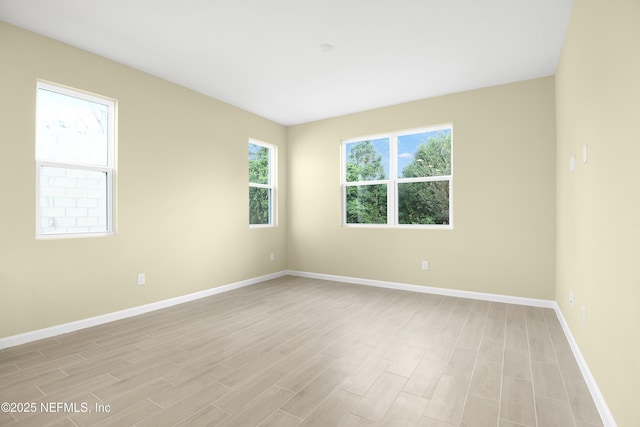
{"points": [[73, 236]]}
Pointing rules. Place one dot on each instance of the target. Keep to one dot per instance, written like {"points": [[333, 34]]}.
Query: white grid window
{"points": [[401, 179], [261, 184], [75, 149]]}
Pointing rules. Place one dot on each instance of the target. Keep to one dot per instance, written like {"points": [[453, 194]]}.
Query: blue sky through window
{"points": [[408, 146], [381, 146]]}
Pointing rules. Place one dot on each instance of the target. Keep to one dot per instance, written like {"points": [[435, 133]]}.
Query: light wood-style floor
{"points": [[294, 351]]}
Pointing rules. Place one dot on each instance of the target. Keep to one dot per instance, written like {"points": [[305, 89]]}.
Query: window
{"points": [[399, 179], [75, 148], [261, 183]]}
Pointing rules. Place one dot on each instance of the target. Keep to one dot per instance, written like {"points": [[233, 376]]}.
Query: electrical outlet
{"points": [[425, 265], [272, 257], [571, 298], [141, 279], [584, 315]]}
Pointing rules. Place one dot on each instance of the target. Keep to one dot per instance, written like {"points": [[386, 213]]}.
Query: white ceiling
{"points": [[264, 56]]}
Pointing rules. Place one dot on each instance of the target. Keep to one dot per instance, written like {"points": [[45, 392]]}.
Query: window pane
{"points": [[72, 200], [259, 158], [259, 203], [423, 202], [367, 204], [367, 160], [424, 154], [71, 130]]}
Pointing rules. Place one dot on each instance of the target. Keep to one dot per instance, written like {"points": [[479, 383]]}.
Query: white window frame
{"points": [[108, 170], [272, 183], [393, 180]]}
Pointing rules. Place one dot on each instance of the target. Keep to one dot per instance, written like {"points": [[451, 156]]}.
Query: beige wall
{"points": [[503, 239], [182, 215], [598, 103]]}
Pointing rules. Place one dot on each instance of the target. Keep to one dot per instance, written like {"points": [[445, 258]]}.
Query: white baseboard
{"points": [[598, 398], [429, 289], [129, 312], [601, 405]]}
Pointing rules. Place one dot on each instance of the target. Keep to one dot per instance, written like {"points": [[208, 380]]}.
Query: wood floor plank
{"points": [[506, 423], [377, 401], [249, 390], [350, 420], [582, 405], [486, 380], [301, 377], [553, 413], [185, 407], [517, 364], [250, 369], [280, 418], [461, 363], [82, 381], [406, 411], [540, 344], [260, 408], [429, 422], [329, 413], [448, 399], [304, 402], [517, 403], [516, 338], [425, 378], [404, 360], [479, 412], [471, 334], [495, 328], [205, 417], [130, 415], [547, 381], [100, 366], [121, 386], [23, 380], [441, 347], [491, 349], [363, 378], [187, 386]]}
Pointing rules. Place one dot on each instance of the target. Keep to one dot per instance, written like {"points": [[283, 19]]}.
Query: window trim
{"points": [[109, 169], [393, 180], [271, 186]]}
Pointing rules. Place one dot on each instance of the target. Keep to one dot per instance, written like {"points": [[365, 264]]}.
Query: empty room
{"points": [[304, 213]]}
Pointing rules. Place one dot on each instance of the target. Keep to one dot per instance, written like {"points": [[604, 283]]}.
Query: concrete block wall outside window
{"points": [[72, 200]]}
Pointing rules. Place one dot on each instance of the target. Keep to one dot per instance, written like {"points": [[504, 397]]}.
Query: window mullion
{"points": [[392, 189], [77, 166], [110, 199], [251, 184], [426, 179], [357, 183]]}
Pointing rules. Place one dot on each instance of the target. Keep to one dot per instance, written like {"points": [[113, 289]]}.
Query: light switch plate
{"points": [[572, 163]]}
